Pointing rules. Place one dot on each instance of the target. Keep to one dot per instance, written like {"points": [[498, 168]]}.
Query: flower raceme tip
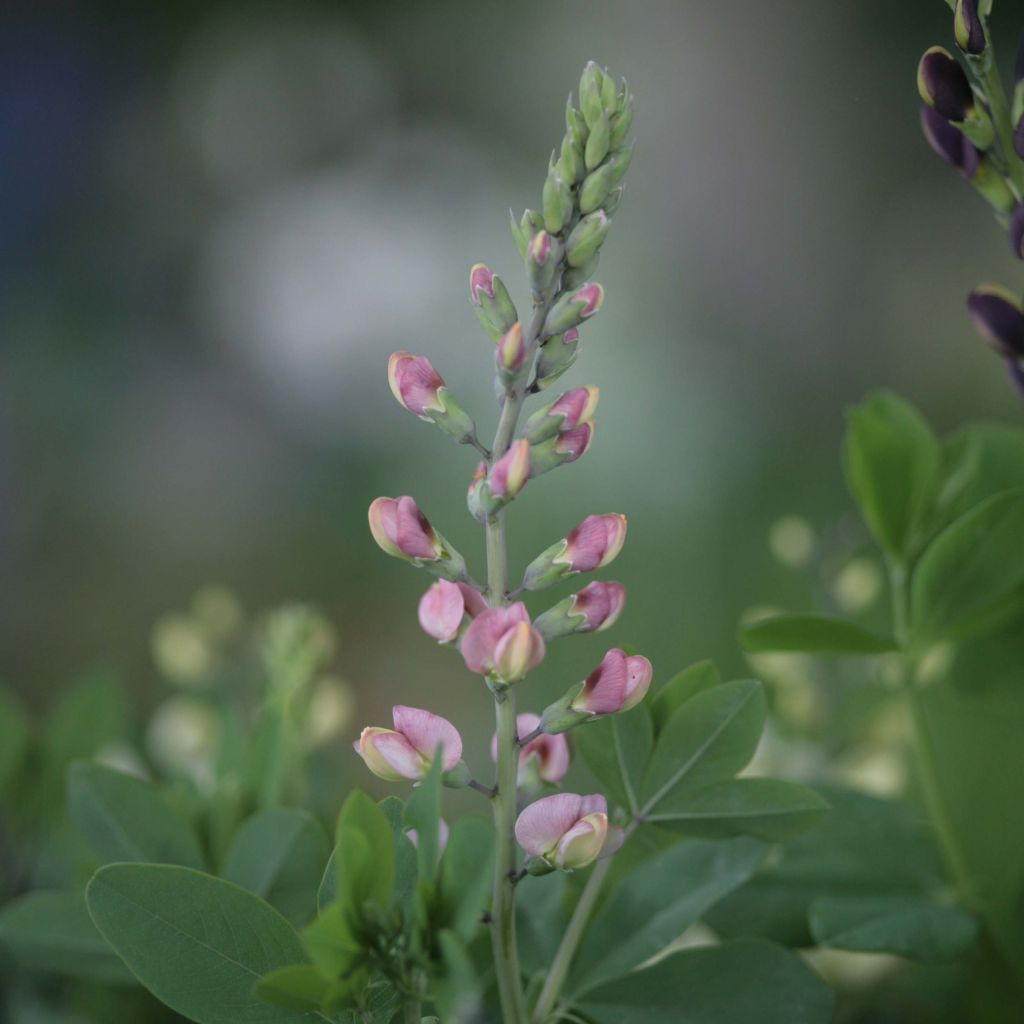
{"points": [[502, 642], [547, 755], [565, 831], [406, 752], [593, 544]]}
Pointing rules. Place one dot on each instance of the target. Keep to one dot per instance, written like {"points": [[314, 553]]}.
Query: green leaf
{"points": [[908, 926], [466, 871], [52, 932], [893, 464], [198, 943], [15, 730], [709, 739], [813, 634], [679, 689], [126, 819], [746, 982], [981, 460], [616, 749], [971, 571], [423, 813], [365, 853], [297, 987], [279, 855], [653, 905], [457, 991], [865, 846], [768, 809]]}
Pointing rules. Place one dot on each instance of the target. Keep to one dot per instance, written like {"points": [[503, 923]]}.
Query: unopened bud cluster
{"points": [[969, 123], [497, 637]]}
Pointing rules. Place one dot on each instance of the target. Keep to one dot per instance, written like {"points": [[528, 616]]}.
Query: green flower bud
{"points": [[543, 258], [586, 238], [591, 101], [570, 164], [557, 354], [608, 92], [573, 308], [529, 224], [557, 203], [598, 142], [622, 122], [596, 186], [611, 204], [537, 866], [575, 125], [491, 301], [991, 184], [573, 277], [458, 777], [620, 164]]}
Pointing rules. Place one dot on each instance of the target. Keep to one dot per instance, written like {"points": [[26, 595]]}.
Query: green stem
{"points": [[924, 745], [559, 968], [988, 73]]}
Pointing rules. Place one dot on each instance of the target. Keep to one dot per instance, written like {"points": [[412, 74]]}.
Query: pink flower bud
{"points": [[566, 830], [443, 832], [574, 443], [406, 751], [550, 754], [576, 406], [443, 607], [415, 383], [402, 530], [510, 354], [539, 248], [619, 683], [600, 604], [496, 644], [594, 543], [481, 283], [509, 474]]}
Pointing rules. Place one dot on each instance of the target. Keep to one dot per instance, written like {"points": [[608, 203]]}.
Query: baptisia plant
{"points": [[406, 916]]}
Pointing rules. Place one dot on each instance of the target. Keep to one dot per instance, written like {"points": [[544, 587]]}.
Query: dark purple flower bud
{"points": [[948, 141], [998, 316], [1018, 138], [943, 84], [1016, 231], [967, 27], [1016, 374]]}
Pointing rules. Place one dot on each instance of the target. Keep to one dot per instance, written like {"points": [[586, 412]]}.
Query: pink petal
{"points": [[605, 687], [544, 822], [400, 754], [425, 731], [441, 609], [575, 442], [640, 674], [595, 803], [443, 832], [473, 601], [481, 279], [418, 383], [485, 632], [413, 532], [525, 724], [553, 754], [384, 522], [586, 544]]}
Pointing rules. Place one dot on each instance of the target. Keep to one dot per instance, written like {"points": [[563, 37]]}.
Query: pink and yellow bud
{"points": [[481, 283], [546, 757], [569, 410], [567, 831], [501, 642], [592, 544], [510, 355], [415, 383], [596, 607], [572, 309], [619, 683], [402, 530], [508, 476], [443, 607], [407, 751]]}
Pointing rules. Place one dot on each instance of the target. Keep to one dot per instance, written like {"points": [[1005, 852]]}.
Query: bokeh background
{"points": [[218, 219]]}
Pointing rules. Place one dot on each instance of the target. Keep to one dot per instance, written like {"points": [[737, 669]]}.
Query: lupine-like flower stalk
{"points": [[421, 389], [593, 544], [619, 683], [546, 757], [566, 831], [501, 642], [560, 245], [405, 753], [595, 608], [403, 531]]}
